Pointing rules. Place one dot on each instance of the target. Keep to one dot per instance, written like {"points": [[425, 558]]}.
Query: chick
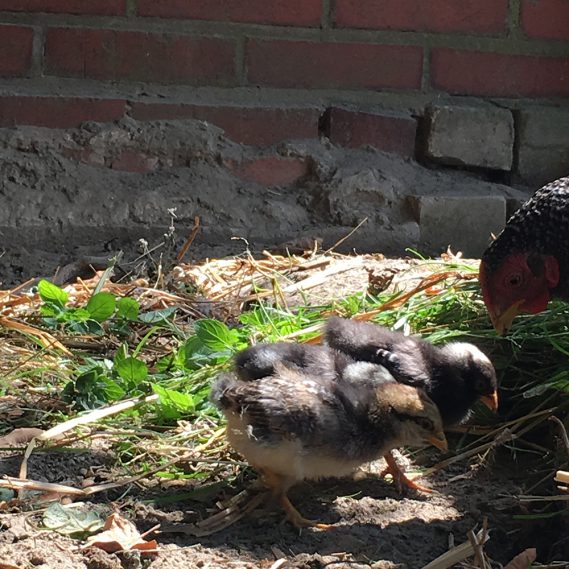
{"points": [[324, 364], [292, 426], [320, 362], [259, 361], [454, 376]]}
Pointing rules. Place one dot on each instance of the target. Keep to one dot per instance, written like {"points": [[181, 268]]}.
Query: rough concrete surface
{"points": [[103, 187], [466, 222], [543, 144], [481, 136]]}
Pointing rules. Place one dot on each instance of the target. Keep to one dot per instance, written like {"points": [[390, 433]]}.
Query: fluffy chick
{"points": [[454, 376], [292, 426], [320, 362], [259, 361]]}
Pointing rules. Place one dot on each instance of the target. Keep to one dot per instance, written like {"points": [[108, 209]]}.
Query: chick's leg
{"points": [[399, 476], [279, 486]]}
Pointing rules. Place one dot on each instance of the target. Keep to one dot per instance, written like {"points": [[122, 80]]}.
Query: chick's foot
{"points": [[297, 520], [279, 486], [399, 477]]}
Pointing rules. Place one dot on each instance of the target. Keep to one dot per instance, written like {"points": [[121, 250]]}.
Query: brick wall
{"points": [[358, 71]]}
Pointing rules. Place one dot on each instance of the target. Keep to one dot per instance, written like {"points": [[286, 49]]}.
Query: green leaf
{"points": [[113, 391], [215, 335], [72, 520], [101, 306], [52, 294], [192, 355], [128, 308], [173, 403], [50, 310], [132, 370], [155, 316], [75, 315], [121, 354], [88, 327]]}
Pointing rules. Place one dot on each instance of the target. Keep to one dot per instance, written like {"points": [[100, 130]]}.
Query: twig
{"points": [[364, 220], [457, 554], [564, 436], [189, 240], [95, 416], [478, 555], [17, 484], [46, 339]]}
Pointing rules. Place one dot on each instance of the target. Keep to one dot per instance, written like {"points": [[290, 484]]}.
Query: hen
{"points": [[528, 263], [293, 426]]}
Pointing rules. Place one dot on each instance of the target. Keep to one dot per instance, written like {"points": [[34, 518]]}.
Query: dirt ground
{"points": [[374, 526]]}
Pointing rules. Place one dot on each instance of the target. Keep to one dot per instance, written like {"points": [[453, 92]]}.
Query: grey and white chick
{"points": [[292, 426]]}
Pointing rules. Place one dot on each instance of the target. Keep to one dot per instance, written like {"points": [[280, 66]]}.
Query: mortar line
{"points": [[483, 44], [327, 16], [240, 64], [131, 8], [514, 20], [38, 42], [426, 78]]}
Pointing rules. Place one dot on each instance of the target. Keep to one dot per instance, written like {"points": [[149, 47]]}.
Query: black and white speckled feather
{"points": [[259, 361], [320, 362], [540, 225]]}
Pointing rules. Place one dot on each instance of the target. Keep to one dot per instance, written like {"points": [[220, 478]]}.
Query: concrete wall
{"points": [[358, 71]]}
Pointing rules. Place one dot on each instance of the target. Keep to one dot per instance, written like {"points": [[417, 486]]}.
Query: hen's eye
{"points": [[514, 280]]}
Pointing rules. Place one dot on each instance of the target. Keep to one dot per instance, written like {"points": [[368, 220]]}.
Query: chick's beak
{"points": [[491, 401], [439, 441], [502, 321]]}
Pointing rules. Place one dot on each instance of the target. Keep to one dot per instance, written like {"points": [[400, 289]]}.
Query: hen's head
{"points": [[521, 282]]}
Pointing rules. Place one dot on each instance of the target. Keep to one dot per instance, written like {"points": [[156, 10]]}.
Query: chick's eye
{"points": [[425, 424]]}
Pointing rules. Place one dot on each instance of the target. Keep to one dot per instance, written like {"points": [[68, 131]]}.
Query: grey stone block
{"points": [[465, 223], [543, 153], [472, 136]]}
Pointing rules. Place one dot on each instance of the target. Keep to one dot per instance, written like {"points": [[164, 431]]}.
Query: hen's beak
{"points": [[502, 321], [439, 440], [491, 401]]}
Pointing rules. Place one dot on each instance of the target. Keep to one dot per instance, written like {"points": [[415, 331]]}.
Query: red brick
{"points": [[132, 161], [470, 16], [389, 133], [164, 58], [300, 64], [84, 155], [57, 112], [474, 73], [279, 12], [546, 19], [99, 7], [273, 170], [15, 51], [247, 125]]}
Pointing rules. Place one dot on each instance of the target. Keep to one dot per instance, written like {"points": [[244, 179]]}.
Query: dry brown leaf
{"points": [[523, 560], [119, 534]]}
